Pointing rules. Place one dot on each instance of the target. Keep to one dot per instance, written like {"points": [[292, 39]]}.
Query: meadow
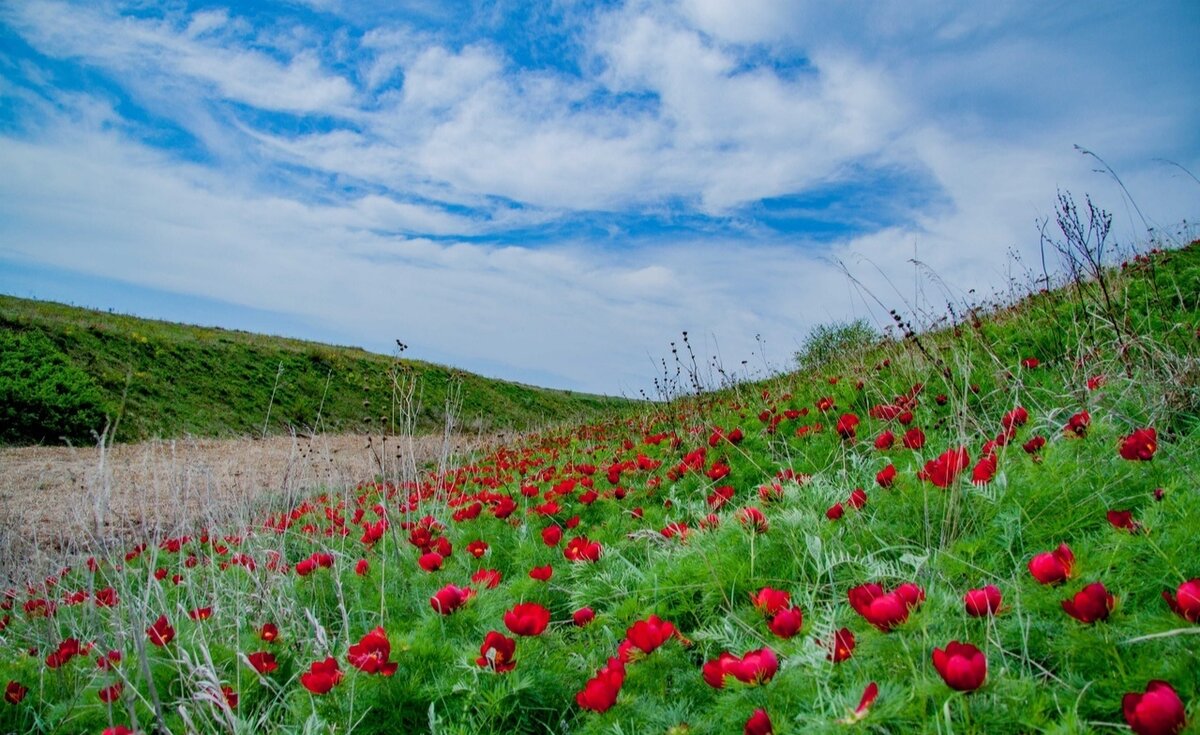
{"points": [[986, 527]]}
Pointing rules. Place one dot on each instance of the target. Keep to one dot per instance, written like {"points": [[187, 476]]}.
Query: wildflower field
{"points": [[993, 527]]}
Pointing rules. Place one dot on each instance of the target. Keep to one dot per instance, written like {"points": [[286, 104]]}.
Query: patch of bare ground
{"points": [[60, 503]]}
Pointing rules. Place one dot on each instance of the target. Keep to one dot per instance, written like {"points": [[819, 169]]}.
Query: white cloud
{"points": [[161, 53], [679, 109]]}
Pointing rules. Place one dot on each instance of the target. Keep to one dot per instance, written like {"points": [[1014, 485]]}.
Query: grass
{"points": [[1046, 671], [63, 370]]}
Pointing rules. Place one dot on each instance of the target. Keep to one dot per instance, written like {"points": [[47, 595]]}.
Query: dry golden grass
{"points": [[58, 503]]}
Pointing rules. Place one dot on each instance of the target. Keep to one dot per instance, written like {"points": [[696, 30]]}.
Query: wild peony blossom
{"points": [[961, 665], [1157, 711], [1053, 567]]}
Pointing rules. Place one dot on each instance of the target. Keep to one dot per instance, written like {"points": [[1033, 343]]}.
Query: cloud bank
{"points": [[553, 192]]}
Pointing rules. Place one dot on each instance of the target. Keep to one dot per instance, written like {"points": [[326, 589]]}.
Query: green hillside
{"points": [[63, 370]]}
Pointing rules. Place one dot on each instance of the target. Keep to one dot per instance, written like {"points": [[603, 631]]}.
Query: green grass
{"points": [[1047, 672], [64, 369]]}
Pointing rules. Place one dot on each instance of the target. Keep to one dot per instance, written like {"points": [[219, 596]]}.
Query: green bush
{"points": [[42, 395], [826, 342]]}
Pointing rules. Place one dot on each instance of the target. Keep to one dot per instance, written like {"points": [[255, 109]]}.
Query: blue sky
{"points": [[552, 191]]}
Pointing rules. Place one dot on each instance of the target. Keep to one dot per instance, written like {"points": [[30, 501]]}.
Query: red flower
{"points": [[321, 676], [1123, 520], [231, 697], [581, 548], [489, 578], [1186, 601], [263, 662], [984, 470], [754, 519], [1019, 416], [161, 633], [842, 646], [754, 667], [541, 574], [269, 632], [551, 535], [200, 613], [431, 561], [650, 633], [942, 471], [600, 692], [1029, 363], [1095, 382], [117, 730], [835, 512], [1077, 425], [886, 476], [983, 601], [14, 692], [914, 438], [718, 471], [720, 496], [362, 567], [450, 598], [885, 440], [1052, 567], [787, 622], [1034, 445], [111, 693], [769, 601], [370, 655], [858, 498], [758, 724], [864, 704], [1090, 604], [1159, 711], [962, 666], [885, 610], [527, 618], [477, 548], [846, 425], [497, 652], [68, 649], [583, 616], [1140, 445]]}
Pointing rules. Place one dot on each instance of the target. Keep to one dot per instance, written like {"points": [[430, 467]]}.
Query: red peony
{"points": [[962, 666], [321, 676], [1090, 604], [1052, 567], [1158, 711], [600, 692], [1140, 445], [370, 655], [527, 618], [160, 633], [1186, 601], [497, 652], [983, 601], [650, 633], [758, 724]]}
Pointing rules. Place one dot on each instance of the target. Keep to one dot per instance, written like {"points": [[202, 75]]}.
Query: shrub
{"points": [[826, 342], [43, 396]]}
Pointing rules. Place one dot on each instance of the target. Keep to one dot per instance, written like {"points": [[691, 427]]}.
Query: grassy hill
{"points": [[988, 528], [64, 369]]}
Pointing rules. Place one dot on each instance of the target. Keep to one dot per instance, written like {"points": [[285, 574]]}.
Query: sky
{"points": [[552, 192]]}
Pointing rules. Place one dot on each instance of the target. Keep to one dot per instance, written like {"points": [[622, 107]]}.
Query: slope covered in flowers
{"points": [[989, 529]]}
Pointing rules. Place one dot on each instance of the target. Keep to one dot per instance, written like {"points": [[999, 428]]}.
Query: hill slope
{"points": [[988, 529], [63, 369]]}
